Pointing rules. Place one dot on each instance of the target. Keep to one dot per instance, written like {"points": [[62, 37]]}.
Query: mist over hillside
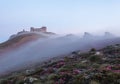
{"points": [[45, 48]]}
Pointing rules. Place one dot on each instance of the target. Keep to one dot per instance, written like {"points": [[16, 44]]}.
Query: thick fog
{"points": [[46, 48]]}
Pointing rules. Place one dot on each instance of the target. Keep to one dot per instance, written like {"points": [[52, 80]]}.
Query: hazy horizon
{"points": [[63, 16]]}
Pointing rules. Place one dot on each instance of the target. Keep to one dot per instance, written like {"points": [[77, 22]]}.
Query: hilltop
{"points": [[24, 37]]}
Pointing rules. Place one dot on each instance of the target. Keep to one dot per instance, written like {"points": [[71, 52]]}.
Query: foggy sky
{"points": [[60, 16]]}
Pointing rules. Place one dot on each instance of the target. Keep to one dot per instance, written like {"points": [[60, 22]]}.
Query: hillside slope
{"points": [[93, 67], [19, 40]]}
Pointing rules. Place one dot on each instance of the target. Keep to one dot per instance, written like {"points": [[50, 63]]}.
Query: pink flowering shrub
{"points": [[76, 71], [115, 69], [59, 64]]}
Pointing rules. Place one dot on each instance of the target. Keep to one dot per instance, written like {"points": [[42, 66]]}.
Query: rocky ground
{"points": [[93, 67]]}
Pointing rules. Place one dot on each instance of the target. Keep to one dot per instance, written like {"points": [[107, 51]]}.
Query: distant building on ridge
{"points": [[42, 29]]}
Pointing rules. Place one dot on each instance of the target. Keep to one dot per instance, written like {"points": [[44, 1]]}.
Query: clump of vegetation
{"points": [[62, 69], [3, 81], [95, 58], [82, 65], [96, 65], [94, 82], [53, 77], [92, 51]]}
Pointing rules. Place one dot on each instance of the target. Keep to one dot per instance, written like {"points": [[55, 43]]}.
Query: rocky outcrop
{"points": [[33, 30], [42, 29]]}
